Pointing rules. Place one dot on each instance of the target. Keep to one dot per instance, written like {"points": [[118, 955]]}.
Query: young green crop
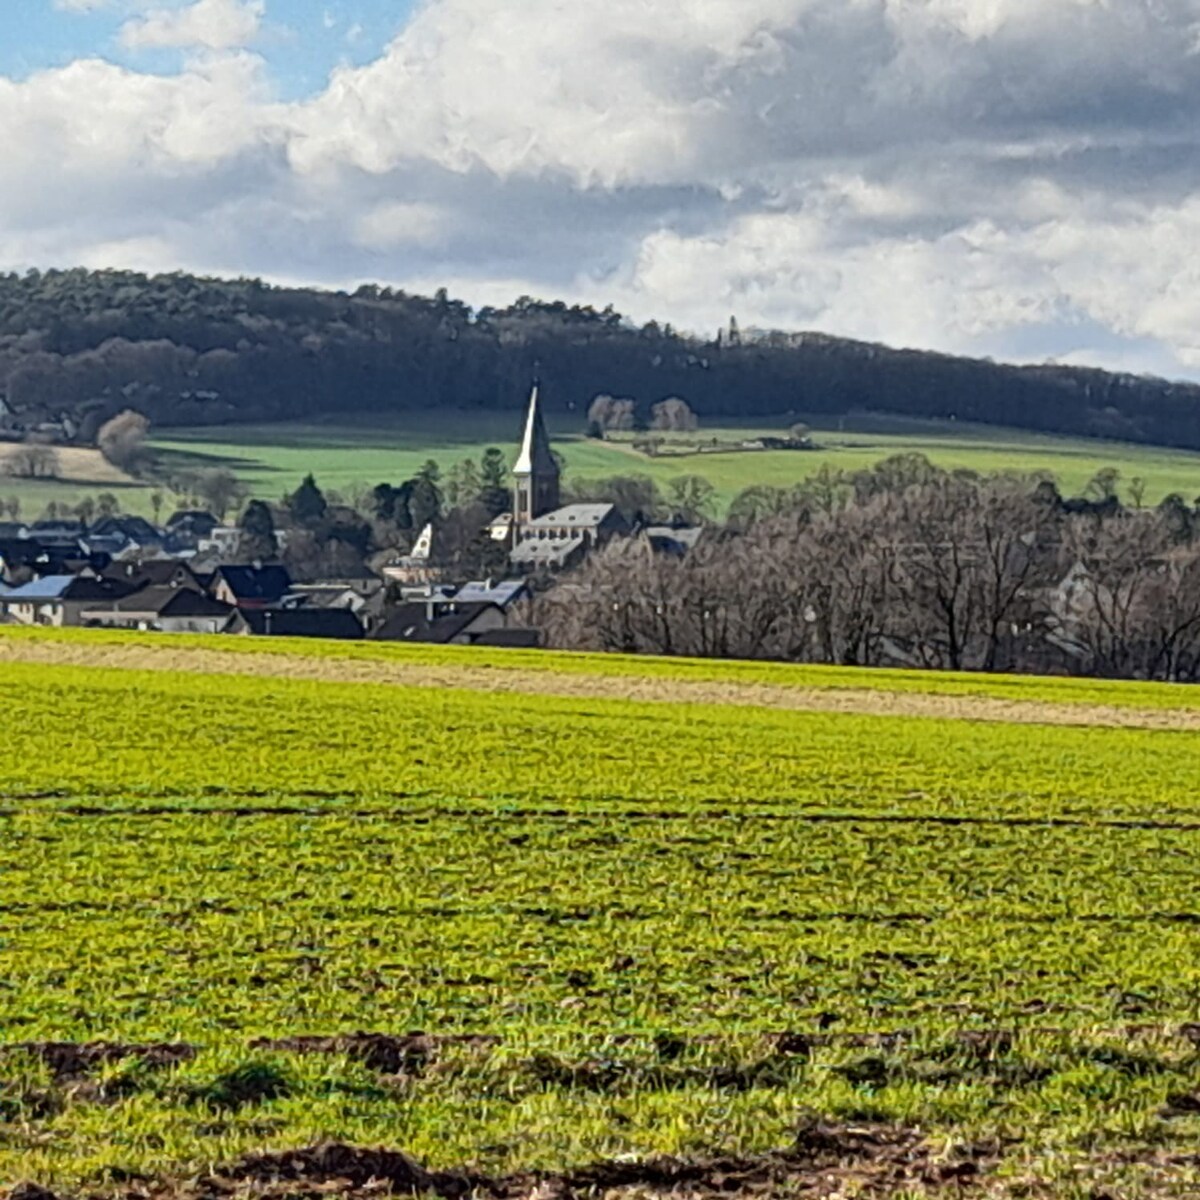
{"points": [[630, 900]]}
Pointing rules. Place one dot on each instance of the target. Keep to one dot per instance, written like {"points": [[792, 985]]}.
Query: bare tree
{"points": [[219, 490], [32, 461], [122, 438], [607, 413], [1134, 611], [673, 415]]}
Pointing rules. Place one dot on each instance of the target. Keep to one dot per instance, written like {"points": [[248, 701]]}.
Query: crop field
{"points": [[272, 459], [274, 917]]}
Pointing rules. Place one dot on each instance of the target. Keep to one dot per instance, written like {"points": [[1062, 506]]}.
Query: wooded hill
{"points": [[188, 350]]}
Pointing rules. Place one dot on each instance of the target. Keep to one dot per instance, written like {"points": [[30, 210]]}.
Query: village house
{"points": [[222, 541], [60, 600], [58, 533], [248, 587], [441, 623], [338, 623], [164, 609]]}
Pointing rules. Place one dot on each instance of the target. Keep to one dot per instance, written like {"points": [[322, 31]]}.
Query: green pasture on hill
{"points": [[361, 452], [628, 899], [272, 459]]}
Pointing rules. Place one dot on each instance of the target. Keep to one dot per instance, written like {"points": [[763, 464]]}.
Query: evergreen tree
{"points": [[424, 503], [494, 493], [258, 539], [307, 503], [463, 484]]}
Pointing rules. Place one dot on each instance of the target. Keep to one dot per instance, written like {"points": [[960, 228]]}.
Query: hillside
{"points": [[192, 351], [796, 927]]}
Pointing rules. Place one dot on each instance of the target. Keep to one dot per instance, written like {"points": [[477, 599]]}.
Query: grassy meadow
{"points": [[355, 452], [635, 909], [272, 459]]}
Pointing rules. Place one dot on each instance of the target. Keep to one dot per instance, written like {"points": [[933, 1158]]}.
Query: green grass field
{"points": [[604, 893], [272, 459], [347, 454]]}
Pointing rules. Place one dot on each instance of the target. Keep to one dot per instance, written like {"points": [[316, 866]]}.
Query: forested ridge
{"points": [[189, 350]]}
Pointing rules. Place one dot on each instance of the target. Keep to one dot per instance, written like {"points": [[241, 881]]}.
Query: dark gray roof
{"points": [[152, 572], [268, 584], [88, 587], [134, 529], [303, 622], [483, 592], [412, 623], [193, 516], [572, 516], [513, 639], [187, 602], [547, 552], [166, 601]]}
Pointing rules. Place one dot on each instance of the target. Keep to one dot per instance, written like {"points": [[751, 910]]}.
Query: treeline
{"points": [[908, 565], [187, 350]]}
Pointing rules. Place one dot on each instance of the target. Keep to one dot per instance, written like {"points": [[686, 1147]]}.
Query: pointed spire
{"points": [[535, 446]]}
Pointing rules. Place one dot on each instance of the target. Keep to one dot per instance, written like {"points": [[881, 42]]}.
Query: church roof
{"points": [[535, 453], [581, 516]]}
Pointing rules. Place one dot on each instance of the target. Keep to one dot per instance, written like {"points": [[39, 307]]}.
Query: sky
{"points": [[1017, 179]]}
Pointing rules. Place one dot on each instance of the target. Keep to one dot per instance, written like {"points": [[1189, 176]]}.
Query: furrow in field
{"points": [[155, 808]]}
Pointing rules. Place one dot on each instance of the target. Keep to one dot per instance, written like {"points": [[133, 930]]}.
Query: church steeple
{"points": [[536, 471]]}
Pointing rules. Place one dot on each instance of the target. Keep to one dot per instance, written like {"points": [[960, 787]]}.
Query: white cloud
{"points": [[211, 24], [394, 225], [990, 176]]}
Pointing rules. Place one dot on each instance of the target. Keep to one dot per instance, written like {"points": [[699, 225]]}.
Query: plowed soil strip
{"points": [[864, 702], [826, 1160]]}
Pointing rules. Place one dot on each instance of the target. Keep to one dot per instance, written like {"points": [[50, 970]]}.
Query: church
{"points": [[541, 531]]}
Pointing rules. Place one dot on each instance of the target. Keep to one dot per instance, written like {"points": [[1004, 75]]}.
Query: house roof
{"points": [[22, 550], [547, 552], [668, 539], [90, 587], [134, 529], [482, 592], [187, 602], [580, 516], [411, 622], [49, 587], [535, 452], [57, 525], [151, 572], [303, 622], [513, 639], [166, 601], [255, 583], [49, 560], [192, 516]]}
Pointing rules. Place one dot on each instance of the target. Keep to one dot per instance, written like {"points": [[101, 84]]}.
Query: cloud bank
{"points": [[1009, 177], [212, 24]]}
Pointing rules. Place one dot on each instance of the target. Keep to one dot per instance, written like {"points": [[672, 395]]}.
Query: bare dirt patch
{"points": [[202, 660], [825, 1161], [74, 1060]]}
